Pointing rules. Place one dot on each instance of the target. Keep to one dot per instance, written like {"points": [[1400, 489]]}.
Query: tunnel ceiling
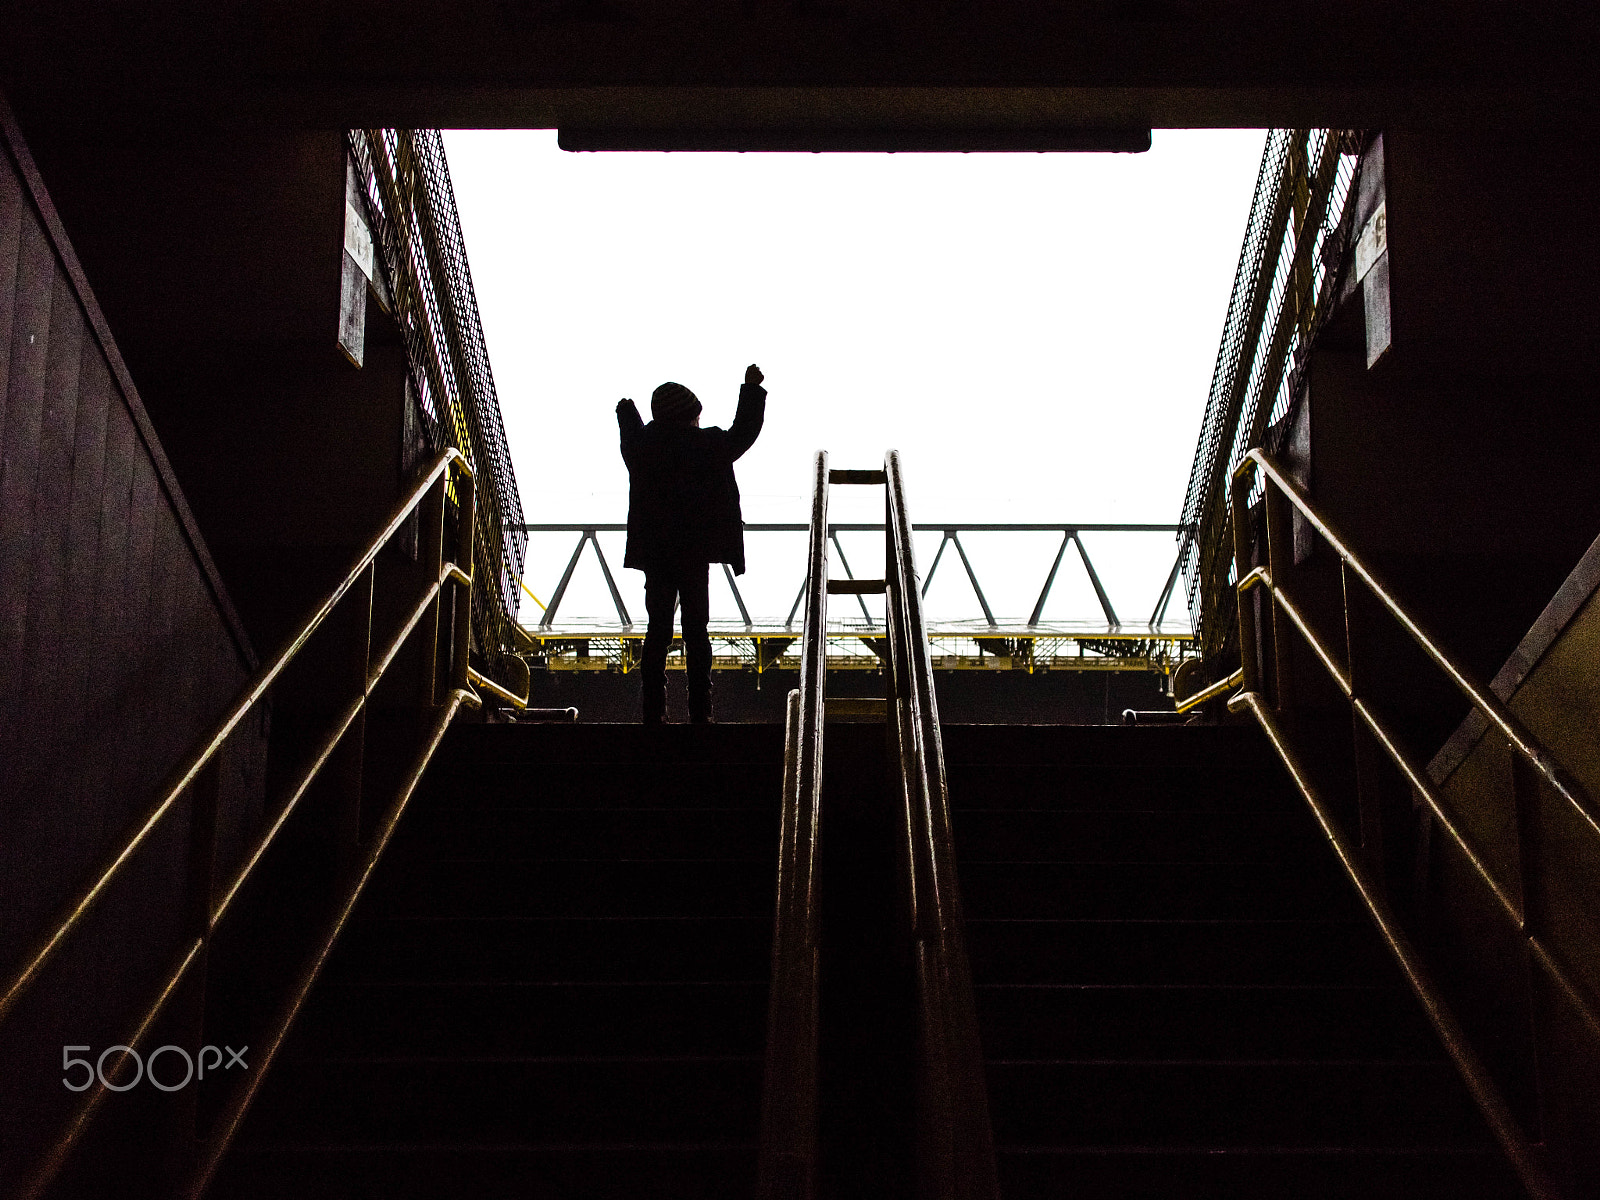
{"points": [[763, 63]]}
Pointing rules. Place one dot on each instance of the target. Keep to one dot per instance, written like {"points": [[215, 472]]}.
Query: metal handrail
{"points": [[1519, 1147], [956, 1141], [1220, 688], [404, 180], [1282, 290], [788, 1154], [233, 1113], [1070, 533], [430, 487], [484, 684], [1497, 1112], [879, 527], [1482, 698]]}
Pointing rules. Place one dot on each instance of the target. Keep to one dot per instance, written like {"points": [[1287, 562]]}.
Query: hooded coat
{"points": [[683, 501]]}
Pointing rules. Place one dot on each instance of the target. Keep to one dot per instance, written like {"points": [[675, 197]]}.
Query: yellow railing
{"points": [[1217, 690], [196, 778], [1360, 856]]}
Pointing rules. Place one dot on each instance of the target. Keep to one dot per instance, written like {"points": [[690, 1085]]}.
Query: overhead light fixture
{"points": [[877, 139]]}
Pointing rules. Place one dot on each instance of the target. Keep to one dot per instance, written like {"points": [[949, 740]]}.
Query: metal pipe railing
{"points": [[1482, 698], [1071, 533], [1518, 1146], [788, 1154], [955, 1139], [1220, 688], [405, 181], [427, 495], [231, 1118], [955, 1152], [1288, 267], [1363, 861]]}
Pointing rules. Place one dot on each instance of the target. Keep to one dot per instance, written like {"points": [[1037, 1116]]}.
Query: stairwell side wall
{"points": [[119, 649], [1552, 684], [1455, 464]]}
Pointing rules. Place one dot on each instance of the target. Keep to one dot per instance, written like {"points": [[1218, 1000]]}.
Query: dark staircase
{"points": [[555, 986], [1177, 992]]}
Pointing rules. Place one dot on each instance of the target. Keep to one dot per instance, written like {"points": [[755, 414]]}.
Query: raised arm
{"points": [[752, 412], [630, 426]]}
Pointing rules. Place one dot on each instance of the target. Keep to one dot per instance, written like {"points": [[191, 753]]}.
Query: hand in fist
{"points": [[752, 374]]}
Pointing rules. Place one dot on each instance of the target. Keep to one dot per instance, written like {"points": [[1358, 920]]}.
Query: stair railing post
{"points": [[1525, 789], [461, 643], [430, 555], [190, 1015], [1249, 655], [348, 769], [1280, 563], [1369, 757]]}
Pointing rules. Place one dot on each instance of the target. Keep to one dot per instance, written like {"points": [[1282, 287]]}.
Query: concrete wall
{"points": [[1460, 460], [1545, 851], [119, 650], [218, 254]]}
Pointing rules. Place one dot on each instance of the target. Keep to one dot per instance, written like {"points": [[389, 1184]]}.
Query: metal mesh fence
{"points": [[412, 209], [1294, 245]]}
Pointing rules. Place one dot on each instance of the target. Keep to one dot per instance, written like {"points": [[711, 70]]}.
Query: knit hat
{"points": [[674, 402]]}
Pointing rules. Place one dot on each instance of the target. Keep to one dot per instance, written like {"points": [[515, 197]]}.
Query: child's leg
{"points": [[694, 595], [660, 598]]}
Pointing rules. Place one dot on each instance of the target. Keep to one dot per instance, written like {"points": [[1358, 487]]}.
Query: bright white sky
{"points": [[1035, 333]]}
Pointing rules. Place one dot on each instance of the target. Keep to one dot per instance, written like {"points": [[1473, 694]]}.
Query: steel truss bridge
{"points": [[986, 642]]}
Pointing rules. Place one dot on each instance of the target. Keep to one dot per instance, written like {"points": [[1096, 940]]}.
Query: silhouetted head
{"points": [[674, 402]]}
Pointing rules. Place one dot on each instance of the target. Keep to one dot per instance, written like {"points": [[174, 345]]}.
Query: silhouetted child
{"points": [[683, 515]]}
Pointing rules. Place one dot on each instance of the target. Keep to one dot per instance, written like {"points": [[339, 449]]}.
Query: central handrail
{"points": [[450, 475], [788, 1155], [1510, 898], [956, 1141]]}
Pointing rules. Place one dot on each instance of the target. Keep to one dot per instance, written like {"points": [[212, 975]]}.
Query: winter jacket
{"points": [[683, 501]]}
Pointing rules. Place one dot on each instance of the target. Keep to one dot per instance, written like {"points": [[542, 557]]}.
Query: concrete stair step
{"points": [[473, 1020], [1153, 1023], [1080, 835], [712, 1170], [1186, 1103], [1221, 951], [703, 887], [1254, 1173], [1156, 890], [544, 949], [585, 832], [490, 1101]]}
